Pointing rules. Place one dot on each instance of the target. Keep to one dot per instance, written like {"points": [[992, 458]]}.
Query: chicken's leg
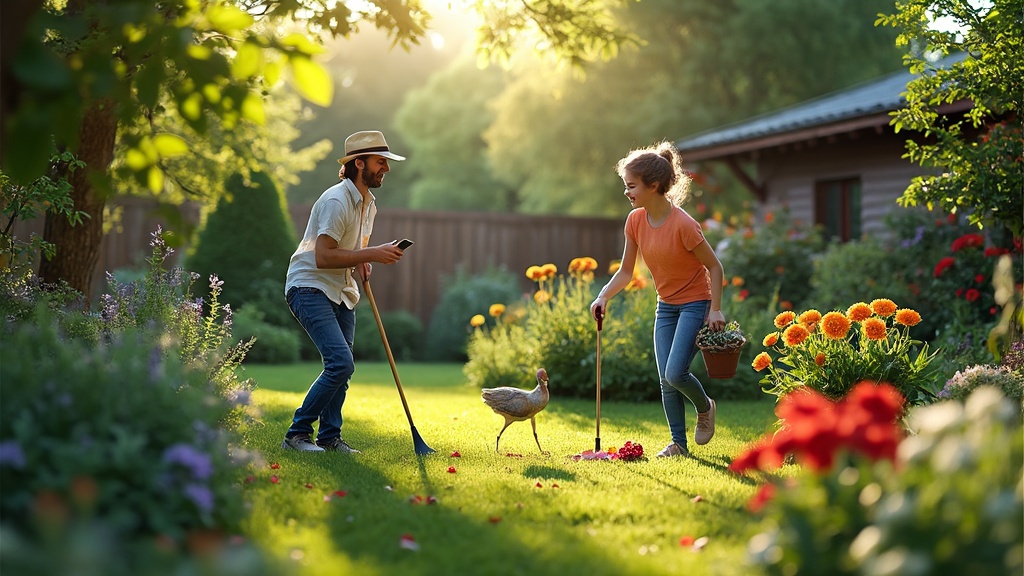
{"points": [[535, 439], [496, 442]]}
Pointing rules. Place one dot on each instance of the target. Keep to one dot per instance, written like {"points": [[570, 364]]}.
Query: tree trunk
{"points": [[78, 247]]}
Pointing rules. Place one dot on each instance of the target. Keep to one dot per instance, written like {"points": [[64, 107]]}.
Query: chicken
{"points": [[516, 405]]}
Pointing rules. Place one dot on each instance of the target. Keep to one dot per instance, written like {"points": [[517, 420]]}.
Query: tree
{"points": [[556, 137], [975, 161], [59, 78]]}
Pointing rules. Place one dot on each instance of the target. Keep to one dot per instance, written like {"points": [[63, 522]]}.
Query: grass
{"points": [[497, 514]]}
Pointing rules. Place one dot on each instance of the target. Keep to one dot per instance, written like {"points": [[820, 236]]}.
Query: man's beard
{"points": [[370, 179]]}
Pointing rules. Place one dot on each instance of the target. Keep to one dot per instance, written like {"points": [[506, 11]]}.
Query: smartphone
{"points": [[404, 243]]}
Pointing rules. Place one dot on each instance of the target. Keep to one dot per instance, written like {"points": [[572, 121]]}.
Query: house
{"points": [[834, 161]]}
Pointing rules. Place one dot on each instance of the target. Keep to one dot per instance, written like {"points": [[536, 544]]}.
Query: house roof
{"points": [[863, 105]]}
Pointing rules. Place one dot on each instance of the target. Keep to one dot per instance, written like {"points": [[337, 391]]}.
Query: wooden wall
{"points": [[445, 242]]}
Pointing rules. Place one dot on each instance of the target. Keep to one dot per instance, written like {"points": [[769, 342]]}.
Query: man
{"points": [[322, 288]]}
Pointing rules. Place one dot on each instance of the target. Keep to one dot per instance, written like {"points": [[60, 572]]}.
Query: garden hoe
{"points": [[421, 446], [597, 436]]}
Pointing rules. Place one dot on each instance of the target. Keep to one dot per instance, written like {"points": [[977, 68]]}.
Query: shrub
{"points": [[273, 344], [830, 353], [402, 328], [775, 257], [463, 296], [946, 501], [125, 418], [247, 242], [969, 379]]}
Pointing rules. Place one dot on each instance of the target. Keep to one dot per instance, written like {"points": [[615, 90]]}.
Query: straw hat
{"points": [[366, 143]]}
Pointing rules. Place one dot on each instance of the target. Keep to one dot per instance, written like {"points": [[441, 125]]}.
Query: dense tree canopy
{"points": [[554, 136], [975, 163]]}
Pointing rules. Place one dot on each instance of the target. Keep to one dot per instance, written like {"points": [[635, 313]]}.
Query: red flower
{"points": [[972, 295], [980, 278], [340, 493], [959, 292], [764, 495], [275, 466], [993, 310], [944, 265], [686, 540], [967, 241], [951, 218], [994, 251]]}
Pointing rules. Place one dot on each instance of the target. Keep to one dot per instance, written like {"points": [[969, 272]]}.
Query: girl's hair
{"points": [[659, 163]]}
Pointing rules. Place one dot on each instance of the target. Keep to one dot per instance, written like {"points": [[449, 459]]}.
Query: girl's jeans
{"points": [[332, 328], [675, 345]]}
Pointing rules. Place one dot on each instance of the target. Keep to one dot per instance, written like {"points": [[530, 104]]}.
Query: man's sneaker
{"points": [[705, 426], [673, 449], [300, 442], [336, 444]]}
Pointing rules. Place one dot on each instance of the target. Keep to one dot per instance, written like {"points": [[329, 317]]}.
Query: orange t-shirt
{"points": [[679, 276]]}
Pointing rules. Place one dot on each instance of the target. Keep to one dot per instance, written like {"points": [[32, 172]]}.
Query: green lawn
{"points": [[495, 514]]}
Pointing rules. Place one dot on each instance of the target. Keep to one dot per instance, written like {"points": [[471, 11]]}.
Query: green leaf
{"points": [[252, 109], [228, 18], [302, 44], [170, 145], [136, 160], [155, 179], [312, 81], [247, 61]]}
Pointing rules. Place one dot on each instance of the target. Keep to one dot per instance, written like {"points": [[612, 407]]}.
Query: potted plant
{"points": [[721, 350]]}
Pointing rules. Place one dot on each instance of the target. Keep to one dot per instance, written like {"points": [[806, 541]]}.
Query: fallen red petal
{"points": [[539, 485], [340, 493], [686, 541], [494, 519], [456, 454], [696, 498], [451, 469], [554, 485], [274, 479], [308, 485], [275, 466], [431, 500]]}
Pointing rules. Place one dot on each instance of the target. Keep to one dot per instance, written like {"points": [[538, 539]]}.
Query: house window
{"points": [[837, 205]]}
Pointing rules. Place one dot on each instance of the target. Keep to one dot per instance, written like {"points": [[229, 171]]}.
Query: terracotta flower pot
{"points": [[721, 364]]}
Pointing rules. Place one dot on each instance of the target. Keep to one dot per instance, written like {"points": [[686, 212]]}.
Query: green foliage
{"points": [[966, 381], [859, 271], [463, 296], [403, 329], [833, 352], [274, 344], [247, 242], [972, 161], [729, 338], [951, 504], [775, 257]]}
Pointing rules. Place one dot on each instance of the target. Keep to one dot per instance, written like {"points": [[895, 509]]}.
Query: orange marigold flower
{"points": [[874, 329], [786, 305], [907, 317], [883, 307], [614, 267], [535, 273], [810, 319], [770, 340], [784, 318], [477, 321], [859, 312], [796, 334], [588, 264], [737, 281], [574, 264], [549, 270], [835, 325], [761, 361], [820, 359], [541, 296], [496, 310]]}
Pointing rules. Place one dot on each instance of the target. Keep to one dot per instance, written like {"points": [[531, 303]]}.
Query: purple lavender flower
{"points": [[200, 495], [11, 454], [239, 397], [188, 456]]}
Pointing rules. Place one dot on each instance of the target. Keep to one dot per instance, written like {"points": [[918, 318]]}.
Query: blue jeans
{"points": [[332, 328], [675, 345]]}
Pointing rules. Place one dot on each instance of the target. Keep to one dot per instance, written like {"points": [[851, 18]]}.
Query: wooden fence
{"points": [[445, 243]]}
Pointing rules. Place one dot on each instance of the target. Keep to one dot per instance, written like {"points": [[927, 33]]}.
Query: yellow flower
{"points": [[810, 319], [477, 321], [637, 283], [587, 276], [784, 318], [761, 361], [587, 264], [907, 317], [883, 307], [541, 296], [574, 264], [496, 310], [770, 340], [535, 273], [614, 267], [835, 325], [859, 312], [795, 335], [874, 329], [549, 270]]}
